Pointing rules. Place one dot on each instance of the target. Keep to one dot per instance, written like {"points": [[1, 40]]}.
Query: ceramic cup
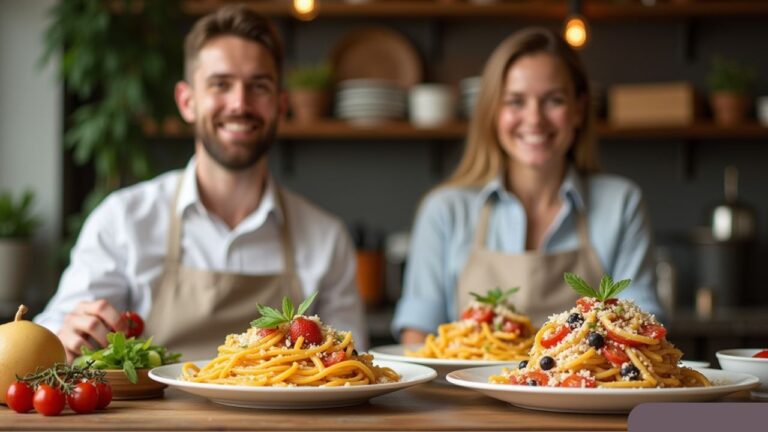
{"points": [[762, 110], [431, 105]]}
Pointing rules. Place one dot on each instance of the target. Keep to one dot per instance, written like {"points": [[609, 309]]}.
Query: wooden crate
{"points": [[662, 104]]}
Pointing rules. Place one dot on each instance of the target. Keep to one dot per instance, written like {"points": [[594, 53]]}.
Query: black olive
{"points": [[354, 352], [575, 320], [547, 363], [628, 370], [531, 382], [595, 340], [522, 364]]}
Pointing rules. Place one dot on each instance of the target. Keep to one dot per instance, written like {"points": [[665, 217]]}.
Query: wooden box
{"points": [[656, 104]]}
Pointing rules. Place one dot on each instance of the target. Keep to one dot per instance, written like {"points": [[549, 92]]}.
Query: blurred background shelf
{"points": [[502, 9]]}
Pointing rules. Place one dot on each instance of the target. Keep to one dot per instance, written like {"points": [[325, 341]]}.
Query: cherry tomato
{"points": [[48, 401], [19, 397], [614, 354], [575, 380], [333, 358], [264, 332], [479, 315], [84, 398], [105, 394], [761, 354], [554, 338], [539, 377], [135, 324], [653, 331], [618, 339], [510, 326]]}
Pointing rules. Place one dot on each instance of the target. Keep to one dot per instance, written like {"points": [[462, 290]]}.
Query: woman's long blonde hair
{"points": [[483, 158]]}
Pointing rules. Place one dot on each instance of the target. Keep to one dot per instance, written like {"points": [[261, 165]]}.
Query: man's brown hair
{"points": [[232, 20]]}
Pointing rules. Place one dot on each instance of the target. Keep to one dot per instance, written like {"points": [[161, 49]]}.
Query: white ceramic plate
{"points": [[695, 363], [293, 397], [441, 366], [598, 400]]}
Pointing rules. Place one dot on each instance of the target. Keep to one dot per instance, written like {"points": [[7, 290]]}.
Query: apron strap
{"points": [[285, 234], [173, 254], [482, 224]]}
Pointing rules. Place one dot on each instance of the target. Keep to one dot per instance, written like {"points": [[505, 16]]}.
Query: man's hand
{"points": [[89, 323]]}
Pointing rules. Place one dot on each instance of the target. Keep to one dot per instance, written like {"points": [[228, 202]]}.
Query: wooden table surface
{"points": [[426, 407]]}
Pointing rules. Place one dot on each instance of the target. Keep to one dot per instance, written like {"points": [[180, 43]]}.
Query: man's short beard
{"points": [[215, 150]]}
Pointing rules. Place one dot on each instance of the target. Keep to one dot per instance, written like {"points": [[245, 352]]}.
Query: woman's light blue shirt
{"points": [[618, 224]]}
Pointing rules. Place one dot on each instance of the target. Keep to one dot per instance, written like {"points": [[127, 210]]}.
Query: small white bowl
{"points": [[741, 360]]}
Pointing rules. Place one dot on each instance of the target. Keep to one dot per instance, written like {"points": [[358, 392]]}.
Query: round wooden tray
{"points": [[145, 388], [379, 53]]}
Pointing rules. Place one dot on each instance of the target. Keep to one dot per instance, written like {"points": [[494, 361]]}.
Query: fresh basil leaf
{"points": [[305, 304], [266, 322], [620, 286], [579, 285], [130, 371], [288, 308]]}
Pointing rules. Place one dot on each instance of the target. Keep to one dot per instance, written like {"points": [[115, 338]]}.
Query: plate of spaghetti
{"points": [[489, 331], [606, 349], [286, 360]]}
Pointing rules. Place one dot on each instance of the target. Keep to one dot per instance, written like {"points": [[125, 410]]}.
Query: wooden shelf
{"points": [[532, 9], [334, 129]]}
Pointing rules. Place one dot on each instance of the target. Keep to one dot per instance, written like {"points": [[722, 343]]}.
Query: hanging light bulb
{"points": [[305, 10], [576, 31]]}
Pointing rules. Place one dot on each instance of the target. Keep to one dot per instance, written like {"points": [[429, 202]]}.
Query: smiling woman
{"points": [[525, 203]]}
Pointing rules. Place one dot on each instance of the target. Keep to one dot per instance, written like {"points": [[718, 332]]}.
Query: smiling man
{"points": [[194, 251]]}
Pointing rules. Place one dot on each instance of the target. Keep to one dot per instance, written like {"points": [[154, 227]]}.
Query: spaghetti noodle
{"points": [[277, 357], [603, 343], [487, 330]]}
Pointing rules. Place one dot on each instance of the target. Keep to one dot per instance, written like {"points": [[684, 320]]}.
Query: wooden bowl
{"points": [[145, 387]]}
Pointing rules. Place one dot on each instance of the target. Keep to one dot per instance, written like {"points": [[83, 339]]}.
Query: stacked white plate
{"points": [[370, 101], [469, 90]]}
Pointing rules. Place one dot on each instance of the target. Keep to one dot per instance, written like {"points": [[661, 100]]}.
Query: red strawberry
{"points": [[309, 329]]}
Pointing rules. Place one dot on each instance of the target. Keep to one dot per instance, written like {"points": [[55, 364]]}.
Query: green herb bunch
{"points": [[126, 354], [271, 317], [495, 296], [608, 288]]}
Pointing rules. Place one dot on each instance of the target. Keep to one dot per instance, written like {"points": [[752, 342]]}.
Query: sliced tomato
{"points": [[555, 337], [614, 354], [479, 315], [510, 326], [655, 331], [578, 381], [333, 358], [585, 303], [761, 354], [618, 339], [539, 377], [264, 332]]}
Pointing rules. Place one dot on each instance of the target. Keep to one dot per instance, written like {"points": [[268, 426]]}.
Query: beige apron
{"points": [[543, 291], [193, 310]]}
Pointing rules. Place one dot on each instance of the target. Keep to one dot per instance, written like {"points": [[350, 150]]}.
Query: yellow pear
{"points": [[25, 346]]}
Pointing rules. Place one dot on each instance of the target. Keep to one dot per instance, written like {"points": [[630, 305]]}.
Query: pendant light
{"points": [[576, 31], [305, 10]]}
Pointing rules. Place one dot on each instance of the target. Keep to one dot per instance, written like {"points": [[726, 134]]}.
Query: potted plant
{"points": [[308, 92], [17, 226], [730, 83]]}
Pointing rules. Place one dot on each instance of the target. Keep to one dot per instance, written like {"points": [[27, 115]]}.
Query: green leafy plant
{"points": [[608, 288], [495, 296], [126, 354], [311, 77], [16, 218], [119, 61], [727, 75], [271, 317]]}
